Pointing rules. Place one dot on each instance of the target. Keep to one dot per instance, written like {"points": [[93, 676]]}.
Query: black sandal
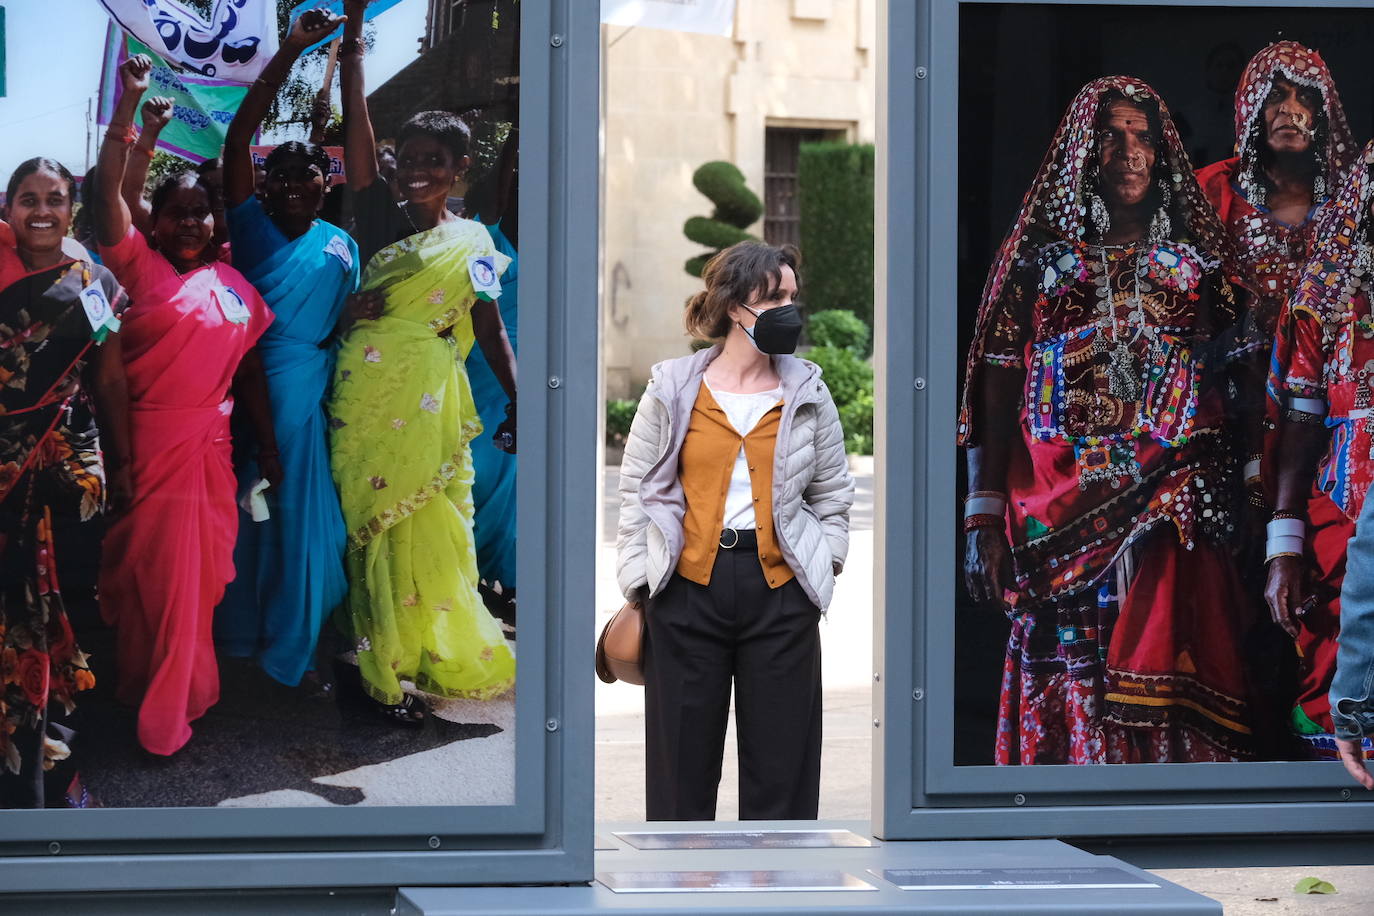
{"points": [[409, 713], [349, 691]]}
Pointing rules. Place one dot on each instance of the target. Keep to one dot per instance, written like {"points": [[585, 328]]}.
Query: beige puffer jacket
{"points": [[812, 488]]}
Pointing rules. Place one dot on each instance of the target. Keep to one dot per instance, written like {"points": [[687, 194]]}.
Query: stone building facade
{"points": [[794, 70]]}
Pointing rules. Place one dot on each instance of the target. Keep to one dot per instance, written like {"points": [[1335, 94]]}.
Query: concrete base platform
{"points": [[1035, 866]]}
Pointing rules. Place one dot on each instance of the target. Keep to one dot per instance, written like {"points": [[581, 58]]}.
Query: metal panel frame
{"points": [[918, 791], [546, 835]]}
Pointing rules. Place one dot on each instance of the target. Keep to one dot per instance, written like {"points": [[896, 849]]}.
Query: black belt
{"points": [[741, 538]]}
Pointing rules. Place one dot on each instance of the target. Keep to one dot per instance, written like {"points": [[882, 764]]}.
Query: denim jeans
{"points": [[1352, 708]]}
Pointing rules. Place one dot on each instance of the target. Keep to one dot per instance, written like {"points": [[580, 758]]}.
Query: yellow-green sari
{"points": [[402, 416]]}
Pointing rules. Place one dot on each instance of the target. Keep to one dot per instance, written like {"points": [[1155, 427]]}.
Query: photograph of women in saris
{"points": [[403, 415], [282, 562], [60, 357]]}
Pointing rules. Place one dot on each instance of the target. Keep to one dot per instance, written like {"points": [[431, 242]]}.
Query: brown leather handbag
{"points": [[620, 650]]}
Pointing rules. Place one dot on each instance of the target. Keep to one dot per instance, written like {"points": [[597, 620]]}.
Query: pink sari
{"points": [[168, 559]]}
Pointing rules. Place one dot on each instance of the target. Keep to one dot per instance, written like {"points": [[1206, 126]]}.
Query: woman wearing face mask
{"points": [[188, 337], [289, 572], [402, 415], [734, 521], [58, 358]]}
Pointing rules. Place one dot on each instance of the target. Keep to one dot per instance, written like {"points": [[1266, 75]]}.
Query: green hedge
{"points": [[838, 328], [620, 413], [835, 182], [850, 381]]}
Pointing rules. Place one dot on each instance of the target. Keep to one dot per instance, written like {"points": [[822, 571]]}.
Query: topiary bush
{"points": [[736, 209], [713, 233], [850, 380], [840, 329], [835, 192]]}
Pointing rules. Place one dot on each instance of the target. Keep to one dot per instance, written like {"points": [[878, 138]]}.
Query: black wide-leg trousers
{"points": [[700, 638]]}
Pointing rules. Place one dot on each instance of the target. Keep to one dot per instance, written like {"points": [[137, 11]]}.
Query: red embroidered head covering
{"points": [[1340, 254], [1334, 147], [1055, 209]]}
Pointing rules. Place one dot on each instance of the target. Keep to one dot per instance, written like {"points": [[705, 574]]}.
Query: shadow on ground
{"points": [[261, 737]]}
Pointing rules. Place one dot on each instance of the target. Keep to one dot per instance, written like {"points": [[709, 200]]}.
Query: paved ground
{"points": [[846, 639], [266, 745]]}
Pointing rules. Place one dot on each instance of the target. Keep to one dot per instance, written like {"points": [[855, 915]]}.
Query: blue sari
{"points": [[289, 568], [493, 491]]}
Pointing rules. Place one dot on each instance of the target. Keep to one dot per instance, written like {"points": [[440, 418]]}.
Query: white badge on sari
{"points": [[339, 249], [486, 282], [98, 312], [232, 305]]}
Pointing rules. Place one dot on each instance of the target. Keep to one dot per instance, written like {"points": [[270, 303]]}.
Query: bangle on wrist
{"points": [[1284, 536], [1252, 469], [985, 502], [1282, 553], [1285, 513], [1303, 417], [121, 133], [974, 522], [1276, 546], [350, 46], [149, 152]]}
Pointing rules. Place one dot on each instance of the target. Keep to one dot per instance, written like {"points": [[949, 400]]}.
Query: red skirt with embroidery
{"points": [[1329, 533], [1128, 617]]}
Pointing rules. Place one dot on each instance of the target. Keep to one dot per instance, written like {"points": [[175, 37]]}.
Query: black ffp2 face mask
{"points": [[777, 330]]}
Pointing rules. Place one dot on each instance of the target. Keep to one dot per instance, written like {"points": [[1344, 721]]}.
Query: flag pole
{"points": [[87, 170]]}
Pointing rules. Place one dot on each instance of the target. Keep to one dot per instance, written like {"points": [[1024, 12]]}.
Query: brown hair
{"points": [[733, 277]]}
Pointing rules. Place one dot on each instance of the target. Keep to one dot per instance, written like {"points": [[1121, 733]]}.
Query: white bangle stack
{"points": [[1285, 537], [985, 502], [1252, 470]]}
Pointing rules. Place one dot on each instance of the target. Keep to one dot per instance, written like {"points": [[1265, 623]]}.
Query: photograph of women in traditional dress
{"points": [[1150, 560], [260, 396], [1103, 308]]}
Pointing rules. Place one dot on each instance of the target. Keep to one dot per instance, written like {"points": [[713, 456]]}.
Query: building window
{"points": [[781, 207]]}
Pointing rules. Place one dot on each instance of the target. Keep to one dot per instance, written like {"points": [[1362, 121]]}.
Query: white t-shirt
{"points": [[744, 412]]}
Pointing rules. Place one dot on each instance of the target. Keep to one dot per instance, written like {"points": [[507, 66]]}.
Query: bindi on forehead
{"points": [[1127, 113]]}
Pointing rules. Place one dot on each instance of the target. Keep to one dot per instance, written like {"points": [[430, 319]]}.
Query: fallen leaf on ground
{"points": [[1314, 886]]}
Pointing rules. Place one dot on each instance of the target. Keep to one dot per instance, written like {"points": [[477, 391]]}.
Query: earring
{"points": [[1166, 196], [1097, 210], [1249, 183], [1161, 227]]}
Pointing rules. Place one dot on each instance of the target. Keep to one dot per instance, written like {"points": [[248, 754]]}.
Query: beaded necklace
{"points": [[1123, 368]]}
